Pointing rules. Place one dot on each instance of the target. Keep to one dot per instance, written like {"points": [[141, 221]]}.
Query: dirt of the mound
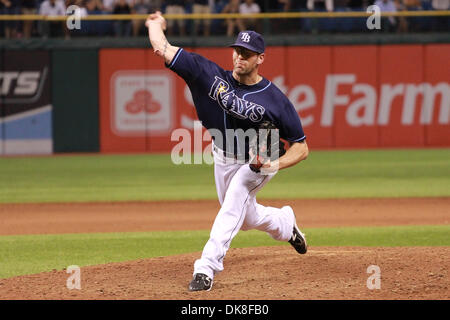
{"points": [[250, 273], [257, 274]]}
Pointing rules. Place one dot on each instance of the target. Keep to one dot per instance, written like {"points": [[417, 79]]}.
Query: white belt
{"points": [[224, 153]]}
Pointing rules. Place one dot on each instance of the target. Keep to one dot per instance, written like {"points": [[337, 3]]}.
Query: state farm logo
{"points": [[141, 102], [22, 86]]}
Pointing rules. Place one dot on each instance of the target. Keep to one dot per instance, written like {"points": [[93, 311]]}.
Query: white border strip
{"points": [[26, 114], [27, 146]]}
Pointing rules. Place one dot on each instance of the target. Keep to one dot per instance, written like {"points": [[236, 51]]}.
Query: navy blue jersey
{"points": [[224, 103]]}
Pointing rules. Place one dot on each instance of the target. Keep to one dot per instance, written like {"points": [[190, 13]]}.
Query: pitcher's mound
{"points": [[258, 273]]}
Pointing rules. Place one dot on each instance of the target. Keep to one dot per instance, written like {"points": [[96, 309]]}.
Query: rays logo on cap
{"points": [[250, 40], [245, 37]]}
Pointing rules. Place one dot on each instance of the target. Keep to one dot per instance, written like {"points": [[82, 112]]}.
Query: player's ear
{"points": [[260, 58]]}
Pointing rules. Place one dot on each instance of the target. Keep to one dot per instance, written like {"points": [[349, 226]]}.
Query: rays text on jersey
{"points": [[232, 104]]}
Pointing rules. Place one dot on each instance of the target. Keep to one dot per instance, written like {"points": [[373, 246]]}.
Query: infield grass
{"points": [[325, 174], [28, 254]]}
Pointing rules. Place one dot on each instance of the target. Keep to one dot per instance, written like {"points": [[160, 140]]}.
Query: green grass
{"points": [[28, 254], [325, 174]]}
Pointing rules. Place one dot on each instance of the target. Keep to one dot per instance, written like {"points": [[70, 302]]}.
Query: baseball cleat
{"points": [[298, 239], [200, 282]]}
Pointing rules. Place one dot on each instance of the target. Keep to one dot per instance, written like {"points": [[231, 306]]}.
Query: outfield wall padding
{"points": [[351, 91], [75, 100]]}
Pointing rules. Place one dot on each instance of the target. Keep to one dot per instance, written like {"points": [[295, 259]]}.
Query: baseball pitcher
{"points": [[247, 116]]}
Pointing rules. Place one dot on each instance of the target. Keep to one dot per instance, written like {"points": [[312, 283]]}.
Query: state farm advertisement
{"points": [[346, 96], [141, 102]]}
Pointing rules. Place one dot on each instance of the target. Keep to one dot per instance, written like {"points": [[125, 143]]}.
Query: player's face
{"points": [[246, 61]]}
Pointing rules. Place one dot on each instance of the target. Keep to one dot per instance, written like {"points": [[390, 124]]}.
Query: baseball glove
{"points": [[265, 146]]}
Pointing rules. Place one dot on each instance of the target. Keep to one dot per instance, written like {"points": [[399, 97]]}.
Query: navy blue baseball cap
{"points": [[250, 40]]}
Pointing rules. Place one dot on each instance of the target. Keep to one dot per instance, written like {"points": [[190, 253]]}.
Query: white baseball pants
{"points": [[237, 187]]}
